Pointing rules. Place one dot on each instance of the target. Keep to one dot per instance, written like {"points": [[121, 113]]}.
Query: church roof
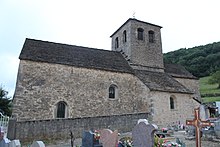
{"points": [[43, 51], [133, 19], [160, 82], [178, 71]]}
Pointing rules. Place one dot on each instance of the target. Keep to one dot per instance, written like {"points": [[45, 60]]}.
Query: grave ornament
{"points": [[198, 124]]}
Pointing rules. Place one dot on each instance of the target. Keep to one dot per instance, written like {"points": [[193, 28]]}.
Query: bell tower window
{"points": [[140, 34], [124, 36], [116, 43], [151, 36]]}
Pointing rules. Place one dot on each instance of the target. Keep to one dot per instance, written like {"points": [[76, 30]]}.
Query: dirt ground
{"points": [[192, 143], [180, 135]]}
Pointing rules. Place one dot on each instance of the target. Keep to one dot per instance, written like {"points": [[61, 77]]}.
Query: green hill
{"points": [[201, 60], [209, 92]]}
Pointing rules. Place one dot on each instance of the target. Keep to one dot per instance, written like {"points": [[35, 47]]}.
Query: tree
{"points": [[5, 102], [215, 79]]}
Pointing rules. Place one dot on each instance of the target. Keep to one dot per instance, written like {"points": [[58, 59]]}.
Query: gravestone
{"points": [[217, 128], [3, 143], [88, 140], [191, 131], [109, 138], [143, 135], [198, 124], [203, 113], [143, 120], [104, 133], [14, 143], [38, 144]]}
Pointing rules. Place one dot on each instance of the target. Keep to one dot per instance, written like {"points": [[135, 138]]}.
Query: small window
{"points": [[61, 110], [124, 36], [140, 34], [116, 43], [112, 91], [151, 36], [172, 103]]}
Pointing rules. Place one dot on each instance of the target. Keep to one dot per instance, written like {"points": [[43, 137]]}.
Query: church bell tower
{"points": [[140, 44]]}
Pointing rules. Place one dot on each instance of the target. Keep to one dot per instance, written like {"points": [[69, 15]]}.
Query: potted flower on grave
{"points": [[96, 136], [125, 142]]}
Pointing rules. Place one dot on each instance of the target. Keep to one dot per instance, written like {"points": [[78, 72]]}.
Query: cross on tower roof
{"points": [[198, 124]]}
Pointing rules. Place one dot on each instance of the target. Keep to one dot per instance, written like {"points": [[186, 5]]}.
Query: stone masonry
{"points": [[41, 86], [86, 93]]}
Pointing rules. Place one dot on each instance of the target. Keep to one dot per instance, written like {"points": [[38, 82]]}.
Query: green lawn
{"points": [[206, 88], [210, 99]]}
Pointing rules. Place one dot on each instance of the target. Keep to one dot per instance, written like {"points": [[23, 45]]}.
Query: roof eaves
{"points": [[134, 20]]}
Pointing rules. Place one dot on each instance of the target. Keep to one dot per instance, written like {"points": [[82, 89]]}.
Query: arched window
{"points": [[112, 91], [116, 43], [172, 102], [151, 36], [140, 34], [61, 110], [124, 36]]}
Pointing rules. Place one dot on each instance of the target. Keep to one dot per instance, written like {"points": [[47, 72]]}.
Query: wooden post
{"points": [[198, 124]]}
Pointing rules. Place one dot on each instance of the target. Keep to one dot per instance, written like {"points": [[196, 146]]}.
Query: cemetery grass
{"points": [[208, 89]]}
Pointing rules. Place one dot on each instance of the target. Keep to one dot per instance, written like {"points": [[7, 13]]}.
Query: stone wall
{"points": [[40, 86], [143, 52], [163, 115], [192, 84], [52, 129]]}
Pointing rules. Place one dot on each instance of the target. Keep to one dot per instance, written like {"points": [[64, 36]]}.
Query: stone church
{"points": [[57, 81]]}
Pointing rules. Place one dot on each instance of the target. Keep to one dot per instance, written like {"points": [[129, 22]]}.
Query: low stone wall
{"points": [[52, 129]]}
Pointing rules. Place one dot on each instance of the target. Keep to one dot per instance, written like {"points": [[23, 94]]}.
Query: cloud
{"points": [[8, 74]]}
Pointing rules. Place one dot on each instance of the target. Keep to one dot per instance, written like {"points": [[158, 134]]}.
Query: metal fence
{"points": [[4, 122]]}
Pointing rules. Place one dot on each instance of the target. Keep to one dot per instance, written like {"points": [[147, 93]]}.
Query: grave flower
{"points": [[96, 135], [171, 144], [125, 142]]}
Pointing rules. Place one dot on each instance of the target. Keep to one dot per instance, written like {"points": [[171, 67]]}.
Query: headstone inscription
{"points": [[143, 135], [38, 144], [109, 138]]}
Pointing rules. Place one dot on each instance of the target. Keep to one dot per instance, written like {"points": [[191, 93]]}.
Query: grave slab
{"points": [[14, 143], [38, 144], [143, 135]]}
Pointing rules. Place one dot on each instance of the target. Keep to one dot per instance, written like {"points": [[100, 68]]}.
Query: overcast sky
{"points": [[89, 23]]}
